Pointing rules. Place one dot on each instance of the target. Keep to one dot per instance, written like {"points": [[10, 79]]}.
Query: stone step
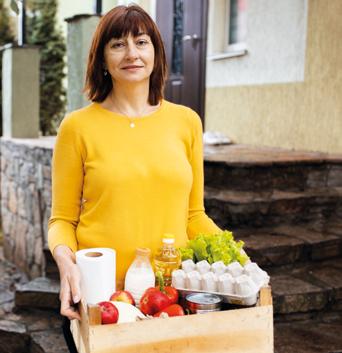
{"points": [[51, 269], [51, 341], [234, 209], [251, 168], [13, 337], [305, 288], [310, 288], [286, 245], [318, 335], [41, 292], [33, 331], [24, 328]]}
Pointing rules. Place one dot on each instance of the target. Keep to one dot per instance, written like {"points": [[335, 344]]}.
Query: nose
{"points": [[132, 51]]}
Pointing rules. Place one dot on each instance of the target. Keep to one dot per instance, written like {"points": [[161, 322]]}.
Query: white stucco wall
{"points": [[276, 37], [69, 8]]}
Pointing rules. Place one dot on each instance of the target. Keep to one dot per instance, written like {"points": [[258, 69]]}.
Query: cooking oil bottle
{"points": [[167, 258]]}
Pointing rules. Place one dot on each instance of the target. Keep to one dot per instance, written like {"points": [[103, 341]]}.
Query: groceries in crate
{"points": [[160, 301], [210, 270], [140, 275], [167, 258]]}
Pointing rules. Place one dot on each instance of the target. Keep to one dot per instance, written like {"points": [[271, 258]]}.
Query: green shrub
{"points": [[42, 31]]}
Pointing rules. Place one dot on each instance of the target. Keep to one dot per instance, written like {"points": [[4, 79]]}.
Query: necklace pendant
{"points": [[132, 125]]}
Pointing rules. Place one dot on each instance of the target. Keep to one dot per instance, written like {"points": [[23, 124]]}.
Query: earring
{"points": [[105, 72]]}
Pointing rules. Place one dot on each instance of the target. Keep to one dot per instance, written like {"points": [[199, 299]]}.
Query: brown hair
{"points": [[117, 23]]}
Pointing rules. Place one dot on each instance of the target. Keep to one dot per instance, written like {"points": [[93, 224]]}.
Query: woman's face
{"points": [[130, 59]]}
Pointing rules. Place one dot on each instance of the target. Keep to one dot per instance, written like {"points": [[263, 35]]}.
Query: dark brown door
{"points": [[183, 26]]}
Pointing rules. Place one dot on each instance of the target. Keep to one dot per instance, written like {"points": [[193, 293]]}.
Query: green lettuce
{"points": [[187, 254], [215, 247]]}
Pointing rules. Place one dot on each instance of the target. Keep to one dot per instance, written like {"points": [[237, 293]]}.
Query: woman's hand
{"points": [[70, 279]]}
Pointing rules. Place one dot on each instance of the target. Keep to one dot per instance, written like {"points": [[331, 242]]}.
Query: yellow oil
{"points": [[166, 260]]}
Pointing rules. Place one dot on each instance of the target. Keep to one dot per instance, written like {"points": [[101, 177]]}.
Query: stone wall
{"points": [[26, 200]]}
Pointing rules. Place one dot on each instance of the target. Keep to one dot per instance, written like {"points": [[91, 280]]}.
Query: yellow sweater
{"points": [[123, 187]]}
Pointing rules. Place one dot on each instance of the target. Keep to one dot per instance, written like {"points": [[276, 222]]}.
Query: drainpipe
{"points": [[98, 7]]}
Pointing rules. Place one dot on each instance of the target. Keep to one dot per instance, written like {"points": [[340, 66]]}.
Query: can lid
{"points": [[205, 301], [143, 252], [168, 238]]}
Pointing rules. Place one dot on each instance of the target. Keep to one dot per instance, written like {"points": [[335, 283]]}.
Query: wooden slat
{"points": [[80, 329], [236, 331], [265, 297], [94, 315]]}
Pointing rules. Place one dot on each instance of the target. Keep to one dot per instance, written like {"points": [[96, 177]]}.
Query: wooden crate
{"points": [[248, 330]]}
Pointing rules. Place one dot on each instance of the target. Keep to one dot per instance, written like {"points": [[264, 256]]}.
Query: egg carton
{"points": [[236, 284]]}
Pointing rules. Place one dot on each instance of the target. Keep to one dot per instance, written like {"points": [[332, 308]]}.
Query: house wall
{"points": [[70, 8], [276, 39], [303, 114]]}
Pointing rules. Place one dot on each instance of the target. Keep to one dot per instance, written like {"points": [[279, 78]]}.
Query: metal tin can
{"points": [[200, 303]]}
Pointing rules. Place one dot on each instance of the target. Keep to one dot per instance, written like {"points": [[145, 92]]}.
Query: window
{"points": [[236, 24], [227, 29]]}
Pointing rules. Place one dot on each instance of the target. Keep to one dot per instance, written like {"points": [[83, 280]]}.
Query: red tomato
{"points": [[109, 313], [172, 310], [172, 293], [153, 300]]}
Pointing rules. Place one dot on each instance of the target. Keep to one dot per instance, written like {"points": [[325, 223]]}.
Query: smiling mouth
{"points": [[131, 67]]}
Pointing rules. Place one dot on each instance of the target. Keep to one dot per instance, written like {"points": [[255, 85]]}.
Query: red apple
{"points": [[122, 296], [153, 300], [109, 313]]}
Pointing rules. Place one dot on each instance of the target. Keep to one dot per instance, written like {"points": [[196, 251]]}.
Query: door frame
{"points": [[203, 58]]}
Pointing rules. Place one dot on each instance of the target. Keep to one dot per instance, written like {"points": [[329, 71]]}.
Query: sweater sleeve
{"points": [[67, 186], [198, 221]]}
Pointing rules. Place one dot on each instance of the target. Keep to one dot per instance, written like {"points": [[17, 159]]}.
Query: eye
{"points": [[142, 42], [117, 45]]}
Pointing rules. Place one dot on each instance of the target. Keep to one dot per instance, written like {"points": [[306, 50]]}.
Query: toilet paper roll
{"points": [[98, 272]]}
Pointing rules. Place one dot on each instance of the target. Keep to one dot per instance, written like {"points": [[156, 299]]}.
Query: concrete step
{"points": [[39, 293], [286, 245], [251, 168], [237, 209], [309, 288]]}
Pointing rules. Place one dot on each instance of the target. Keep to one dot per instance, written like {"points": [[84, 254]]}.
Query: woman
{"points": [[129, 167]]}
